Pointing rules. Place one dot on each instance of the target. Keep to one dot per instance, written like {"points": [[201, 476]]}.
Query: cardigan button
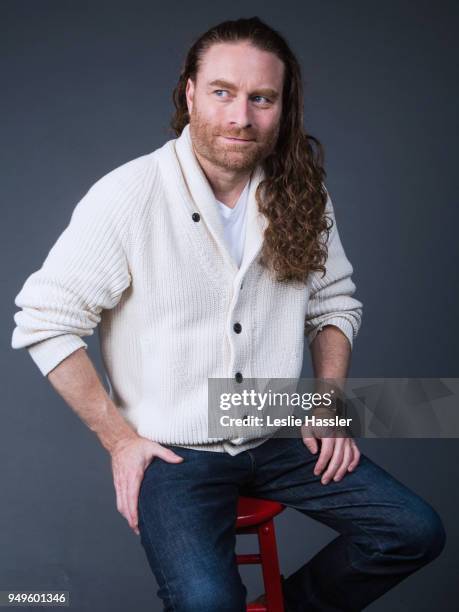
{"points": [[196, 216], [238, 377], [237, 328]]}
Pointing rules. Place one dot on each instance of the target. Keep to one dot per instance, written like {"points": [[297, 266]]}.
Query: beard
{"points": [[225, 154]]}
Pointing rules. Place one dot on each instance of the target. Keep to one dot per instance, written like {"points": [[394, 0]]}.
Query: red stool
{"points": [[256, 516]]}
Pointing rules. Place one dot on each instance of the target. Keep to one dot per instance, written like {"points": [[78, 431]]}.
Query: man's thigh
{"points": [[368, 504], [187, 517]]}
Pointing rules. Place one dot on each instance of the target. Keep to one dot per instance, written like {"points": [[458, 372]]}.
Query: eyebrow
{"points": [[263, 91]]}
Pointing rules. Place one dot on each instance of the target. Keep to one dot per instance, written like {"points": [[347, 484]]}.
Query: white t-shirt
{"points": [[234, 223]]}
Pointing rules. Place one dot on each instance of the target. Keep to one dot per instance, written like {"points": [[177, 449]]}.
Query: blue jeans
{"points": [[187, 515]]}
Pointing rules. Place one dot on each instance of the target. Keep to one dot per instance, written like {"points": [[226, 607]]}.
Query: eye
{"points": [[219, 90], [267, 101]]}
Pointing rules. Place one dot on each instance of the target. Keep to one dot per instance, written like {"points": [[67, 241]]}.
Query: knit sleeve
{"points": [[330, 297], [85, 272]]}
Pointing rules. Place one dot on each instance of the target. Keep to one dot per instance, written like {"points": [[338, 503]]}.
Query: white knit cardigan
{"points": [[144, 257]]}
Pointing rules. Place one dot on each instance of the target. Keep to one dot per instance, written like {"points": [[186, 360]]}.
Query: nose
{"points": [[240, 113]]}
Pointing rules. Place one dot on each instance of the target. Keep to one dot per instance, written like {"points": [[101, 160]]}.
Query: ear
{"points": [[189, 92]]}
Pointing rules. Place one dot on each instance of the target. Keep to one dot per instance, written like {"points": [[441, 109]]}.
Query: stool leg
{"points": [[270, 566]]}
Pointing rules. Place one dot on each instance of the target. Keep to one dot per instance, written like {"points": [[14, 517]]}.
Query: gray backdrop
{"points": [[86, 86]]}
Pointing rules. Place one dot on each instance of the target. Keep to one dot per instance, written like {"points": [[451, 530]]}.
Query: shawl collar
{"points": [[204, 200]]}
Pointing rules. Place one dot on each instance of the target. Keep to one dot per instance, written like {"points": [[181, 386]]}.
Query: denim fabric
{"points": [[187, 516]]}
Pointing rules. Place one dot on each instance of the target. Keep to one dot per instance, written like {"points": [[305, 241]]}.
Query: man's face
{"points": [[237, 95]]}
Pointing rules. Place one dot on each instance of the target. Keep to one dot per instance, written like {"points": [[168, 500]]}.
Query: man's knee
{"points": [[430, 534], [421, 535]]}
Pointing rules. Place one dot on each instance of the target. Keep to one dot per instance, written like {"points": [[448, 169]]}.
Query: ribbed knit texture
{"points": [[165, 291]]}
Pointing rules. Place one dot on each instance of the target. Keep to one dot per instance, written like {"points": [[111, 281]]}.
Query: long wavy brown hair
{"points": [[292, 196]]}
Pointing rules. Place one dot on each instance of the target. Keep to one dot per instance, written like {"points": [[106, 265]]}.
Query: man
{"points": [[184, 291]]}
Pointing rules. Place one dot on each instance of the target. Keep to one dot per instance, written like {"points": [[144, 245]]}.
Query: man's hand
{"points": [[331, 353], [337, 449], [130, 459]]}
